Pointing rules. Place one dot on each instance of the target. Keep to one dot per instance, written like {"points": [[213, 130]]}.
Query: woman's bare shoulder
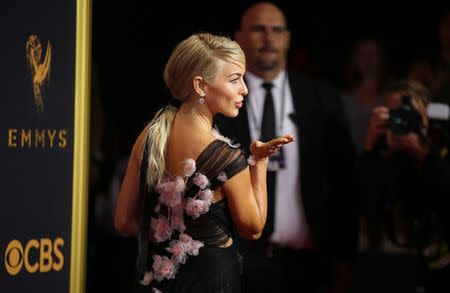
{"points": [[184, 146]]}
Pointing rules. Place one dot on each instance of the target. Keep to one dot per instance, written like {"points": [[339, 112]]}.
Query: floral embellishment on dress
{"points": [[163, 268], [196, 207], [189, 167], [206, 195], [222, 176], [192, 246], [162, 229], [176, 218], [215, 132], [170, 192], [199, 204], [178, 251], [172, 200], [200, 180]]}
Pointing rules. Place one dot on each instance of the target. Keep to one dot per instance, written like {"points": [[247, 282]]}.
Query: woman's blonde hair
{"points": [[195, 56]]}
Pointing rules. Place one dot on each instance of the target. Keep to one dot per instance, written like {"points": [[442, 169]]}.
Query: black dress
{"points": [[188, 230]]}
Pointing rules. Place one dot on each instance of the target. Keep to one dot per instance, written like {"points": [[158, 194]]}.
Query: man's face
{"points": [[264, 37]]}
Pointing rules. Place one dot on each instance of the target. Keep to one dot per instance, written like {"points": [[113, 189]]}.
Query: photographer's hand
{"points": [[411, 144], [377, 127]]}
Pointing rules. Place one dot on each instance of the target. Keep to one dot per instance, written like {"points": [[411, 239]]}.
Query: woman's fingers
{"points": [[264, 149], [275, 144], [278, 142]]}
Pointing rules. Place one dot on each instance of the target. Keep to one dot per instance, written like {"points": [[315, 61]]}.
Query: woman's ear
{"points": [[199, 86]]}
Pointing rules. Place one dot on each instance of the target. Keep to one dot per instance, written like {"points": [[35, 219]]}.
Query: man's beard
{"points": [[264, 65]]}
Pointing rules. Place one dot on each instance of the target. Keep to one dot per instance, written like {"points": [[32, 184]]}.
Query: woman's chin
{"points": [[231, 114]]}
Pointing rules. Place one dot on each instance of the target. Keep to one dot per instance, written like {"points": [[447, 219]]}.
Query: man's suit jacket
{"points": [[327, 159]]}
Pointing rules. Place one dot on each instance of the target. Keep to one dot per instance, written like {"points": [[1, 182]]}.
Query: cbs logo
{"points": [[39, 254]]}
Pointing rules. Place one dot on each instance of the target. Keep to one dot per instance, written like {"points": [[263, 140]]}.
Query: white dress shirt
{"points": [[290, 227]]}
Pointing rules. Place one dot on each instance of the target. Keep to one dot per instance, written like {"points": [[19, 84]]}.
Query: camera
{"points": [[405, 118]]}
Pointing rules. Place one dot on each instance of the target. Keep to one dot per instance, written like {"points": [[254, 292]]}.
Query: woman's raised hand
{"points": [[260, 149]]}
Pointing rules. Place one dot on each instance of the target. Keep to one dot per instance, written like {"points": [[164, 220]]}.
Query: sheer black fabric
{"points": [[214, 269], [215, 227]]}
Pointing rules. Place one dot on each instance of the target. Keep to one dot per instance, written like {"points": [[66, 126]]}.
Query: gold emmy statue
{"points": [[40, 71]]}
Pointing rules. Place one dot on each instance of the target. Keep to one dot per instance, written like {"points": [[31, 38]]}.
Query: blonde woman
{"points": [[187, 188]]}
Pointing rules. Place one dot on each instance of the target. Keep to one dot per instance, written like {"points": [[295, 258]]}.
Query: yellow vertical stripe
{"points": [[80, 147]]}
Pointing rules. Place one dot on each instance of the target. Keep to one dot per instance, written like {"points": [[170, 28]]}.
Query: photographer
{"points": [[405, 180]]}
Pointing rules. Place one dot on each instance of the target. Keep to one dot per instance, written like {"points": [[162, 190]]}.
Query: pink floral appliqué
{"points": [[170, 192], [189, 167], [196, 207], [162, 229], [206, 195], [192, 246], [222, 176], [176, 218], [171, 196], [178, 250], [163, 268], [200, 180]]}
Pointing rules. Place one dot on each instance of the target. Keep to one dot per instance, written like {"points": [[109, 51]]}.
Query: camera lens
{"points": [[403, 120]]}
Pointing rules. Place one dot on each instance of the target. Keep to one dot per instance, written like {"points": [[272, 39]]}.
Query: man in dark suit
{"points": [[309, 239]]}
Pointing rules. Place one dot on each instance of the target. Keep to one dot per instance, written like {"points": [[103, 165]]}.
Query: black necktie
{"points": [[268, 118], [267, 133]]}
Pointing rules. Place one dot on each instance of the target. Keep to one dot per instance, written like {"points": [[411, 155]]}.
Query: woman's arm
{"points": [[129, 208], [247, 191]]}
